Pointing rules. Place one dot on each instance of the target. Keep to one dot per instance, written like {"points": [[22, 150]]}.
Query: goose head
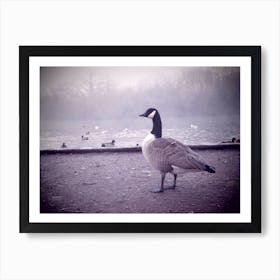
{"points": [[150, 113], [153, 114]]}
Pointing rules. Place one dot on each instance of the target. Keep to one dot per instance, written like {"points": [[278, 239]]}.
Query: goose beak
{"points": [[142, 115]]}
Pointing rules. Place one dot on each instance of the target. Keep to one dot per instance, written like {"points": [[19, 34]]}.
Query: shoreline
{"points": [[234, 146]]}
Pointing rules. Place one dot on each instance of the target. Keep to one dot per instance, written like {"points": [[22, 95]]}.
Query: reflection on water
{"points": [[129, 133]]}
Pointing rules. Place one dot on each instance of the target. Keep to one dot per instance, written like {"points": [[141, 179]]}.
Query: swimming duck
{"points": [[110, 144], [63, 145], [233, 140], [168, 155]]}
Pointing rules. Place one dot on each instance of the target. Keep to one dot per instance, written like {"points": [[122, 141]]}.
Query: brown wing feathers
{"points": [[169, 152]]}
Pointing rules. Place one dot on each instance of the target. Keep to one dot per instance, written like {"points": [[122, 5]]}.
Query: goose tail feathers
{"points": [[210, 169]]}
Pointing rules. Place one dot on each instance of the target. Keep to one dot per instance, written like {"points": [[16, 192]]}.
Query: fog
{"points": [[90, 93]]}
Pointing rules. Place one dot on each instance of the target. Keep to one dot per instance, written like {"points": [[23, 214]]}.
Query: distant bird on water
{"points": [[110, 144], [168, 155], [233, 140], [63, 145]]}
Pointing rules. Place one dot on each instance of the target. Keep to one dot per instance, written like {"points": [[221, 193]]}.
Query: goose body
{"points": [[168, 155]]}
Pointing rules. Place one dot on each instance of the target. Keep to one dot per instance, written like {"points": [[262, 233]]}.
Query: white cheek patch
{"points": [[151, 115]]}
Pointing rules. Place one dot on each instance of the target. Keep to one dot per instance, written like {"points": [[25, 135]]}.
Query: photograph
{"points": [[140, 139]]}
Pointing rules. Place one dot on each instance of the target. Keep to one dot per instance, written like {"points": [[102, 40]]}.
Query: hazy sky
{"points": [[115, 92], [121, 77]]}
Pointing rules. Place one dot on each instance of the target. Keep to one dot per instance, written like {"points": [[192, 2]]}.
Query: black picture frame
{"points": [[25, 52]]}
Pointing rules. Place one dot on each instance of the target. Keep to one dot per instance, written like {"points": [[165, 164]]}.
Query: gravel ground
{"points": [[121, 183]]}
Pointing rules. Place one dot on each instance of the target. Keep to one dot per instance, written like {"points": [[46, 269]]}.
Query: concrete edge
{"points": [[135, 149]]}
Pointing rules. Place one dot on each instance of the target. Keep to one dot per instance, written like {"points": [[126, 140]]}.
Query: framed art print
{"points": [[140, 138]]}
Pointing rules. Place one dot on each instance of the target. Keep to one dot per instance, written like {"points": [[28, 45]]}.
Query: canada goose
{"points": [[168, 155], [84, 137], [110, 144]]}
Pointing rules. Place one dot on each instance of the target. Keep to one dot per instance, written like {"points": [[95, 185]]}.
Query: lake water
{"points": [[130, 132]]}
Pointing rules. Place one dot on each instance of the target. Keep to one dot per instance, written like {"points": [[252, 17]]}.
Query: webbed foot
{"points": [[157, 190]]}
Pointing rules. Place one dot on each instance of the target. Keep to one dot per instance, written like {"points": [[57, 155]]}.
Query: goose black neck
{"points": [[157, 126]]}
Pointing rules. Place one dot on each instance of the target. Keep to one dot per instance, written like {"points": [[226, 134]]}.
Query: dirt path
{"points": [[121, 183]]}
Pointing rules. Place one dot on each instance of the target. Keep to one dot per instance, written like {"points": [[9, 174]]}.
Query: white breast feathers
{"points": [[148, 140]]}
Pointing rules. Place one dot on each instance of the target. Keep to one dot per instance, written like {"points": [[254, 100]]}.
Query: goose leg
{"points": [[174, 182], [175, 178], [161, 186]]}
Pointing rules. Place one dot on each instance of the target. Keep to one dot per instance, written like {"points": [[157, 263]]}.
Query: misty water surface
{"points": [[129, 132]]}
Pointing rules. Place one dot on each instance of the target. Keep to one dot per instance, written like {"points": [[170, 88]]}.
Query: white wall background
{"points": [[146, 256]]}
